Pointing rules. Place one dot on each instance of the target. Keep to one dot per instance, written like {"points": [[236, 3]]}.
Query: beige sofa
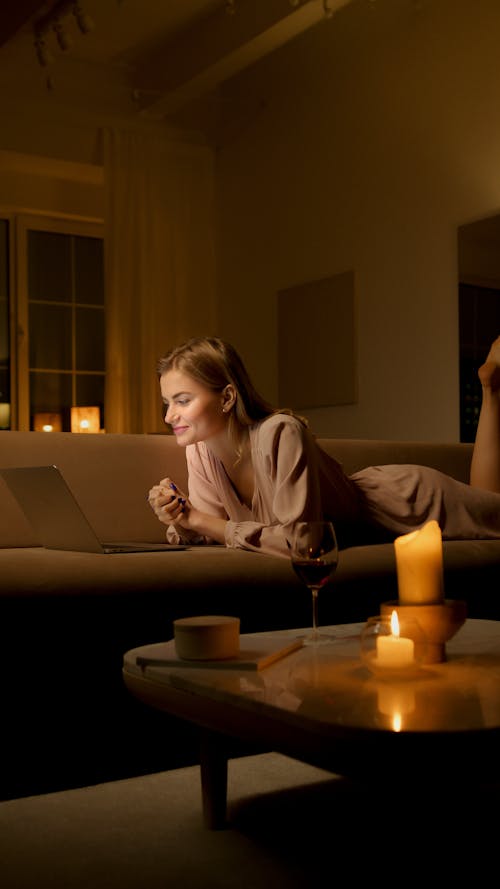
{"points": [[66, 618]]}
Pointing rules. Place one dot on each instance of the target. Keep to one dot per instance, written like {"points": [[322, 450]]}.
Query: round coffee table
{"points": [[323, 706]]}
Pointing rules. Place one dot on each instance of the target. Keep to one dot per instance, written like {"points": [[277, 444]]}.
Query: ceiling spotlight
{"points": [[63, 38], [84, 21], [43, 54]]}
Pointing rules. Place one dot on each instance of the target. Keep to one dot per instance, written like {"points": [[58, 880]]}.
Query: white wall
{"points": [[364, 145], [30, 183]]}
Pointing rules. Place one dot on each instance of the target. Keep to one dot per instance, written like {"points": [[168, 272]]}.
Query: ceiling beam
{"points": [[221, 46]]}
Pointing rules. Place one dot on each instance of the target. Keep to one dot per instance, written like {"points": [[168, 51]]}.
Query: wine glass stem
{"points": [[314, 591]]}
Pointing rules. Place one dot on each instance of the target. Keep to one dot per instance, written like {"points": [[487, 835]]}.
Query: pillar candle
{"points": [[419, 564]]}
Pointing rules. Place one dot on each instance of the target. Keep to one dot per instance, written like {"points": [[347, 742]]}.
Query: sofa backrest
{"points": [[356, 453], [111, 474]]}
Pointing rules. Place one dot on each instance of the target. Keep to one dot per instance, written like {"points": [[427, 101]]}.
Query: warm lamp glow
{"points": [[85, 419], [4, 415], [47, 422]]}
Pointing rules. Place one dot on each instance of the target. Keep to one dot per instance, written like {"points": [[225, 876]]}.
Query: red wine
{"points": [[313, 572]]}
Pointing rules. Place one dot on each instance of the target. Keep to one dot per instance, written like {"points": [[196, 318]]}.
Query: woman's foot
{"points": [[489, 372]]}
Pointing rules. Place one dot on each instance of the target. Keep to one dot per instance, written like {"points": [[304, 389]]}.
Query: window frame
{"points": [[21, 224]]}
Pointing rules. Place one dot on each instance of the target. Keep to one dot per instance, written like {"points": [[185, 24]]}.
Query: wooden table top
{"points": [[322, 704]]}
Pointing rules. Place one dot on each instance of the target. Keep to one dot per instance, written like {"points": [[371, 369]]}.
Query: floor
{"points": [[290, 826]]}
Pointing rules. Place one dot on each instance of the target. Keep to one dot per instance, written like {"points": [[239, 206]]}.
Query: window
{"points": [[479, 311], [58, 304], [479, 314]]}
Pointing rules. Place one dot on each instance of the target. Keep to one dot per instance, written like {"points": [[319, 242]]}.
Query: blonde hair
{"points": [[216, 364]]}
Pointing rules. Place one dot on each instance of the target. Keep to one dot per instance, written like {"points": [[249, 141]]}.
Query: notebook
{"points": [[56, 517], [257, 651]]}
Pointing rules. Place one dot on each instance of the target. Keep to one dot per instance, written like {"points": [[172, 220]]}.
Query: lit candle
{"points": [[394, 651], [419, 565]]}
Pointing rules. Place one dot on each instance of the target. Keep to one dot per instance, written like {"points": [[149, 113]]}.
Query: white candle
{"points": [[419, 565], [394, 651]]}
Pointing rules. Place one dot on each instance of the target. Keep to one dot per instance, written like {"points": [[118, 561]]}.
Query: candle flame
{"points": [[394, 623], [397, 722]]}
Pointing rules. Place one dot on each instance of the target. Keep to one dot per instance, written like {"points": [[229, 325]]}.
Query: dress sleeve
{"points": [[203, 494], [287, 478]]}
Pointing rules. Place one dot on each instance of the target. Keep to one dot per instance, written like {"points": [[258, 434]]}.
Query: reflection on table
{"points": [[329, 684]]}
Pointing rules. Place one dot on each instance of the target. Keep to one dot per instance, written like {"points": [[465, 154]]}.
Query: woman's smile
{"points": [[194, 411]]}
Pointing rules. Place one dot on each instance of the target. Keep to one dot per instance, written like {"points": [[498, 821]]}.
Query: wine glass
{"points": [[314, 554]]}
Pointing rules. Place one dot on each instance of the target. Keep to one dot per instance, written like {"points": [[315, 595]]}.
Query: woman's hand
{"points": [[172, 507], [168, 502]]}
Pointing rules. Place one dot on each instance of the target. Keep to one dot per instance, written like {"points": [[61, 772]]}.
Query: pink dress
{"points": [[296, 480]]}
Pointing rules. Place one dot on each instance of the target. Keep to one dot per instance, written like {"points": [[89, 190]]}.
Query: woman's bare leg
{"points": [[485, 465]]}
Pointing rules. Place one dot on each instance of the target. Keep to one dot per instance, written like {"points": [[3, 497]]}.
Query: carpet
{"points": [[290, 826]]}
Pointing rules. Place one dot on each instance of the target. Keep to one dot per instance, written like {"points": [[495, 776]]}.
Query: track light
{"points": [[84, 21], [64, 40], [43, 53], [58, 22]]}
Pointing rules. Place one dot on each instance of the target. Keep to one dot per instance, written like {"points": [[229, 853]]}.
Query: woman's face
{"points": [[192, 410]]}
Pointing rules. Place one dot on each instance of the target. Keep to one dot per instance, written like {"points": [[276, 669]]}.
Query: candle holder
{"points": [[389, 656], [439, 624]]}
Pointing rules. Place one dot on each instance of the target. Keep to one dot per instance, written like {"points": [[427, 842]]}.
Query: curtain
{"points": [[159, 265]]}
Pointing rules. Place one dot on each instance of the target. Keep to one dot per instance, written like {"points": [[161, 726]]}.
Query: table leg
{"points": [[213, 768]]}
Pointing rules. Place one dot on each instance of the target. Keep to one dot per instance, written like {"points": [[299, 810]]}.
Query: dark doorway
{"points": [[479, 311]]}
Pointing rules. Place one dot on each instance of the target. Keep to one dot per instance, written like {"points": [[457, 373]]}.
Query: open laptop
{"points": [[56, 517]]}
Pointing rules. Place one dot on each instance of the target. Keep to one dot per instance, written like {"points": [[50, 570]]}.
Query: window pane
{"points": [[4, 259], [89, 339], [66, 323], [89, 271], [90, 391], [4, 327], [49, 266], [5, 411], [50, 392], [4, 331], [50, 336]]}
